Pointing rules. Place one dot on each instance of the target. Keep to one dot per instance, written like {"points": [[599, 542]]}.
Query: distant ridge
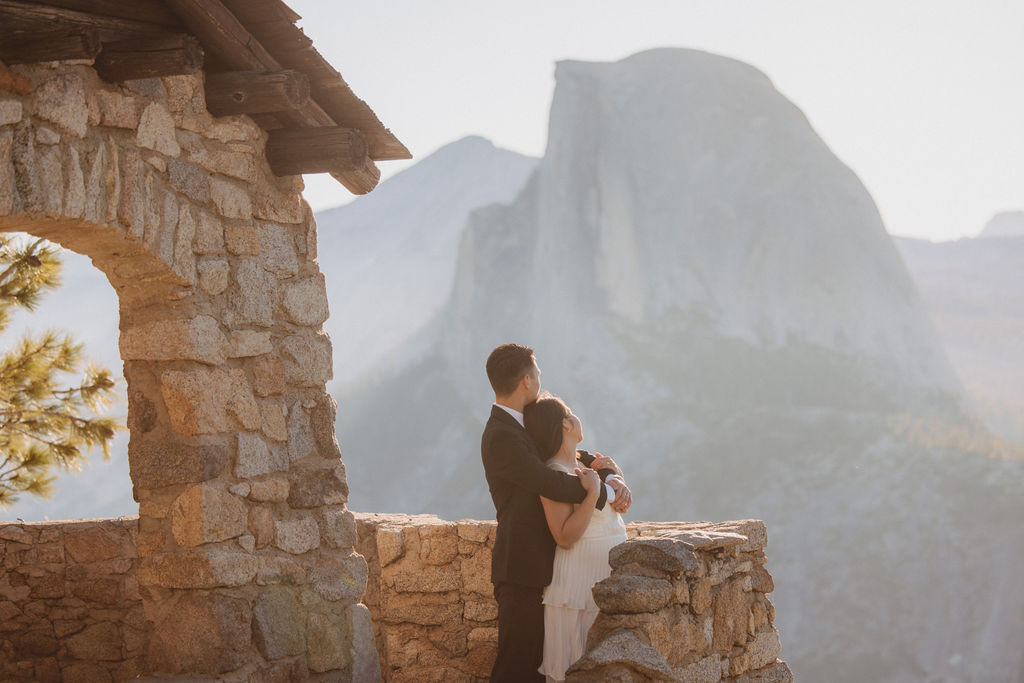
{"points": [[1005, 224], [399, 243]]}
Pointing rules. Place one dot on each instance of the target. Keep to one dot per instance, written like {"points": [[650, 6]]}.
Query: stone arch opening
{"points": [[141, 280], [245, 547], [84, 307]]}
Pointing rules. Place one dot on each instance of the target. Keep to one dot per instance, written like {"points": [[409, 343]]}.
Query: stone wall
{"points": [[686, 601], [429, 592], [70, 608], [232, 453]]}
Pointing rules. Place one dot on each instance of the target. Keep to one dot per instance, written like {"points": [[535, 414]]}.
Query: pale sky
{"points": [[924, 99]]}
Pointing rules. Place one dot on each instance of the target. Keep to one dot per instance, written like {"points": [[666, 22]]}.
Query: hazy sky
{"points": [[924, 99]]}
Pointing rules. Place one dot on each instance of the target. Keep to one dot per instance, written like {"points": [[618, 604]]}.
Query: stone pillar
{"points": [[247, 568]]}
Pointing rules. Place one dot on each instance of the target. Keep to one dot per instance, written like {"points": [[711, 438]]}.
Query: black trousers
{"points": [[520, 633]]}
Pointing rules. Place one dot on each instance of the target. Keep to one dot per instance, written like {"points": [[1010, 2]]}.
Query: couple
{"points": [[545, 492]]}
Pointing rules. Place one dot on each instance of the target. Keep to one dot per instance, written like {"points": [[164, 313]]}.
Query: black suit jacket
{"points": [[524, 549]]}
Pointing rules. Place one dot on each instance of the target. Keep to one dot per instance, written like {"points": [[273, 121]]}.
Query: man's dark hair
{"points": [[507, 365]]}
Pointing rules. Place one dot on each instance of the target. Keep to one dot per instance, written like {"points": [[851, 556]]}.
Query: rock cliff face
{"points": [[715, 295], [399, 244], [683, 184]]}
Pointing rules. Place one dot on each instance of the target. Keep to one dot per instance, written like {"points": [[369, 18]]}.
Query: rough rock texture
{"points": [[69, 601], [71, 604], [430, 596], [699, 621], [221, 304], [435, 618]]}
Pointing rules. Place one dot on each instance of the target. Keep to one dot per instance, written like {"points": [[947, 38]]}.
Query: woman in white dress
{"points": [[583, 533]]}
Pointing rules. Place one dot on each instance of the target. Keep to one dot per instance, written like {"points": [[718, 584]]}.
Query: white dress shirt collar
{"points": [[514, 413]]}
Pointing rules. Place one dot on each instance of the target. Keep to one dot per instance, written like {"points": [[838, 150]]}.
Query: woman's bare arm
{"points": [[566, 524]]}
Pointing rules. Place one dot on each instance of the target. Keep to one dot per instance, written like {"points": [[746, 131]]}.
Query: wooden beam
{"points": [[49, 46], [172, 55], [223, 34], [28, 17], [274, 11], [323, 149], [12, 82], [273, 25], [232, 47], [151, 11], [253, 92], [235, 49], [359, 180], [267, 122]]}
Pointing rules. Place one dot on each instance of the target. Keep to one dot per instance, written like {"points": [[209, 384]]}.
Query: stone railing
{"points": [[69, 601], [686, 601], [430, 595]]}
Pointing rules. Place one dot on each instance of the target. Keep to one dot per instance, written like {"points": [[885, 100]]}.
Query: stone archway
{"points": [[246, 546]]}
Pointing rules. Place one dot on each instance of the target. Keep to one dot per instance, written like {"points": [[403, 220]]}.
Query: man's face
{"points": [[533, 383]]}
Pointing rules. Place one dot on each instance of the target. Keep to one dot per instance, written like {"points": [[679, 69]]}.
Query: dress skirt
{"points": [[569, 607]]}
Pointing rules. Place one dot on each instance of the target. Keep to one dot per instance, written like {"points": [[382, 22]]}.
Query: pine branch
{"points": [[44, 422], [17, 263], [54, 445]]}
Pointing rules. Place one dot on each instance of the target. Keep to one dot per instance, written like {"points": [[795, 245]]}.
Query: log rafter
{"points": [[273, 24], [254, 92], [233, 46], [130, 59], [50, 45], [320, 149], [148, 11], [29, 17]]}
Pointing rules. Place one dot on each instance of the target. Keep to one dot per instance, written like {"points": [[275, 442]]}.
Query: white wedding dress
{"points": [[569, 607]]}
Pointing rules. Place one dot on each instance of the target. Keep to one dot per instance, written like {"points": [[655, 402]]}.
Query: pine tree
{"points": [[45, 420]]}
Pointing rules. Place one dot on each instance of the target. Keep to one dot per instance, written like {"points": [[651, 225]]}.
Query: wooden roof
{"points": [[236, 36]]}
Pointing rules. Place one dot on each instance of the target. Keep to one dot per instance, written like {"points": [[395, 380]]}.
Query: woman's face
{"points": [[572, 428]]}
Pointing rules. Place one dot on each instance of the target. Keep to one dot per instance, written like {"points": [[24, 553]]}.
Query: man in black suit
{"points": [[524, 549]]}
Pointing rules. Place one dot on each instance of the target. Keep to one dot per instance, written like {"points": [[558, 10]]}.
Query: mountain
{"points": [[1005, 224], [719, 253], [716, 297], [974, 290], [399, 244]]}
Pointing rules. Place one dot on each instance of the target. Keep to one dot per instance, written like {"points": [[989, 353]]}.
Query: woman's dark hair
{"points": [[543, 422]]}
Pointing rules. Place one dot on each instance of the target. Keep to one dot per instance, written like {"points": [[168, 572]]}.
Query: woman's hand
{"points": [[589, 479], [603, 462]]}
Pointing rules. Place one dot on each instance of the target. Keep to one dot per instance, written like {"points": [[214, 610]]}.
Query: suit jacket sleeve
{"points": [[508, 459], [586, 458]]}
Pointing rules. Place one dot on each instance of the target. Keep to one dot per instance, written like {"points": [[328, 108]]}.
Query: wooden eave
{"points": [[273, 24], [236, 35]]}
